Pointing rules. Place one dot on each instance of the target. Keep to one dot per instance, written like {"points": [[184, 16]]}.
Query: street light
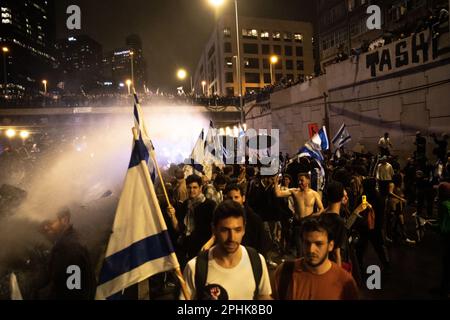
{"points": [[203, 86], [273, 61], [24, 134], [132, 66], [10, 133], [45, 86], [182, 75], [5, 50], [217, 3], [129, 82]]}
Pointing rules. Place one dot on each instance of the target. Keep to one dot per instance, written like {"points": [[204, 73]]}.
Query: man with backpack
{"points": [[225, 271], [314, 277]]}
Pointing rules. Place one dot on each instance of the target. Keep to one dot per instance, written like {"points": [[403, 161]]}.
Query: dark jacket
{"points": [[255, 236], [68, 251], [203, 214]]}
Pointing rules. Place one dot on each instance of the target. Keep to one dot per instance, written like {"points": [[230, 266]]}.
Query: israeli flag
{"points": [[308, 151], [320, 140], [197, 158], [213, 147], [143, 133], [139, 245], [314, 147], [342, 137]]}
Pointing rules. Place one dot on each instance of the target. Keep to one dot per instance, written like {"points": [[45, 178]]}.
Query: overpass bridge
{"points": [[35, 117]]}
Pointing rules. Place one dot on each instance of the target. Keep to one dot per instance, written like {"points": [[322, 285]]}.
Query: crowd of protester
{"points": [[298, 228], [367, 199], [109, 100]]}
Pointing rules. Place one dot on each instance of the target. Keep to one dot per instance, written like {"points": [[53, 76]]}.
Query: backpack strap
{"points": [[255, 261], [201, 274], [287, 270]]}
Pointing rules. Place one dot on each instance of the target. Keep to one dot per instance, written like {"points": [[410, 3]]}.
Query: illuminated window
{"points": [[251, 63], [265, 35], [227, 32], [298, 37], [6, 21], [287, 36], [250, 33], [276, 36], [229, 61]]}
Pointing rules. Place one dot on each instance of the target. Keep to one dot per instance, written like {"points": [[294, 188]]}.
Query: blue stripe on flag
{"points": [[197, 166], [140, 153], [154, 247], [313, 154], [338, 134], [325, 145]]}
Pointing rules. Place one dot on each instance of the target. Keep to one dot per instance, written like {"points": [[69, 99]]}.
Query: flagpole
{"points": [[149, 183]]}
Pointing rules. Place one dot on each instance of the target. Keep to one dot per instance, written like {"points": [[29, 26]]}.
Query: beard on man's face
{"points": [[314, 260]]}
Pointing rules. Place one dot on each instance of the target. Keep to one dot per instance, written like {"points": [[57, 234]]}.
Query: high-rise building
{"points": [[27, 30], [124, 63], [79, 63], [260, 39]]}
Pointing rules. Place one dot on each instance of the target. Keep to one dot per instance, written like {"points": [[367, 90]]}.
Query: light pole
{"points": [[182, 74], [203, 87], [273, 61], [132, 66], [45, 86], [5, 50], [218, 3], [129, 83]]}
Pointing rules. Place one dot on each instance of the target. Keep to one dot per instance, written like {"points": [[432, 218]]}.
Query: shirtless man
{"points": [[305, 200]]}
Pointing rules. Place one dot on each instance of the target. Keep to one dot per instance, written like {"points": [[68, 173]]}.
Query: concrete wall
{"points": [[399, 100]]}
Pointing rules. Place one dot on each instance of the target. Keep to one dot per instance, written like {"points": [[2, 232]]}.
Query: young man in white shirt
{"points": [[384, 145], [229, 269]]}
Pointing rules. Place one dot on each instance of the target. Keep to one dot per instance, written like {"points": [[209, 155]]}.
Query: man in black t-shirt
{"points": [[331, 218]]}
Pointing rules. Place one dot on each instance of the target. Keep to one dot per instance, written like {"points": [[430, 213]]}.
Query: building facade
{"points": [[117, 67], [27, 34], [79, 63], [290, 41], [342, 24]]}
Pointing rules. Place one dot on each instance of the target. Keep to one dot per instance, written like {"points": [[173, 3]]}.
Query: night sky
{"points": [[173, 32]]}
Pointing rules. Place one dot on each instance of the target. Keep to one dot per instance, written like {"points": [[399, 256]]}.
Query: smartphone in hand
{"points": [[364, 202]]}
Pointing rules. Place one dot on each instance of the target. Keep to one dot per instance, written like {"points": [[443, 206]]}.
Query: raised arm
{"points": [[281, 193]]}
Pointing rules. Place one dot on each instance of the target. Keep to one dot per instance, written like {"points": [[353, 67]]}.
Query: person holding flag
{"points": [[139, 246]]}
